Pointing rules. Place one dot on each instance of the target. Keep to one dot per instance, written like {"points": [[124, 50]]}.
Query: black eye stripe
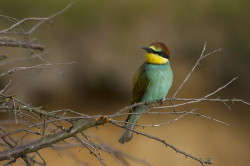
{"points": [[160, 53], [150, 50]]}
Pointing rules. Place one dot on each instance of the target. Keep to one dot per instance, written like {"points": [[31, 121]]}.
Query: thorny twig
{"points": [[206, 161], [94, 152]]}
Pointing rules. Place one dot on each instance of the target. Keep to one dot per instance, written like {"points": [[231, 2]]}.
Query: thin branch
{"points": [[41, 66], [203, 98], [49, 18], [120, 156], [65, 111], [202, 56], [96, 154], [10, 142], [6, 87], [13, 20], [182, 114], [190, 101], [41, 157], [202, 162], [41, 20]]}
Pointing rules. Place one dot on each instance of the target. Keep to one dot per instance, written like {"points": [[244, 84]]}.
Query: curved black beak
{"points": [[149, 50]]}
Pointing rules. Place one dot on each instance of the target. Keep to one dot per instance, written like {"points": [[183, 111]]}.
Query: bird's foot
{"points": [[161, 101]]}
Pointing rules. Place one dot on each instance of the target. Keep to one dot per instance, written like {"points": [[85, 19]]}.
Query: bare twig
{"points": [[203, 98], [95, 153], [10, 142], [6, 87], [202, 56], [41, 66], [121, 156], [41, 157], [202, 162], [40, 21]]}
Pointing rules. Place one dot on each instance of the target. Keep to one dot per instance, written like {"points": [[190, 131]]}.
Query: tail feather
{"points": [[127, 134], [132, 120]]}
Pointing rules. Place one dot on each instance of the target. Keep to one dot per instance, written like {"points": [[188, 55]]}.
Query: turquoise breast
{"points": [[160, 78]]}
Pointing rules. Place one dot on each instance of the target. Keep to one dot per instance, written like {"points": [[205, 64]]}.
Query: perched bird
{"points": [[151, 82]]}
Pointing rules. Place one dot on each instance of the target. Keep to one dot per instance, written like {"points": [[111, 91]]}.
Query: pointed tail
{"points": [[127, 134], [132, 120]]}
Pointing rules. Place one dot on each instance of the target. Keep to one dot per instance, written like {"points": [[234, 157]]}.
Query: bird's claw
{"points": [[160, 101]]}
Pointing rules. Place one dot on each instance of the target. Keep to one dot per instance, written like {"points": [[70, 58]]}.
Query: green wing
{"points": [[140, 84]]}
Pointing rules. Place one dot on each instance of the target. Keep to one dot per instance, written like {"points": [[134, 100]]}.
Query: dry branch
{"points": [[36, 67], [10, 42], [51, 139], [206, 161], [40, 21]]}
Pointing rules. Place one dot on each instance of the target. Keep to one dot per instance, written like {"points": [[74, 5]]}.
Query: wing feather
{"points": [[140, 84]]}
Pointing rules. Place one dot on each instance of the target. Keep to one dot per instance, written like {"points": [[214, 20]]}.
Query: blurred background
{"points": [[105, 38]]}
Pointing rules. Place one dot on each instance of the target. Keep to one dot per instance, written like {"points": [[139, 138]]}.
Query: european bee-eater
{"points": [[151, 82]]}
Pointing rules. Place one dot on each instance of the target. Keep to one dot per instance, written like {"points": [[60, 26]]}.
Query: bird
{"points": [[150, 83]]}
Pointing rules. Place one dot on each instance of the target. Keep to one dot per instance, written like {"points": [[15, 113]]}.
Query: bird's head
{"points": [[157, 53]]}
